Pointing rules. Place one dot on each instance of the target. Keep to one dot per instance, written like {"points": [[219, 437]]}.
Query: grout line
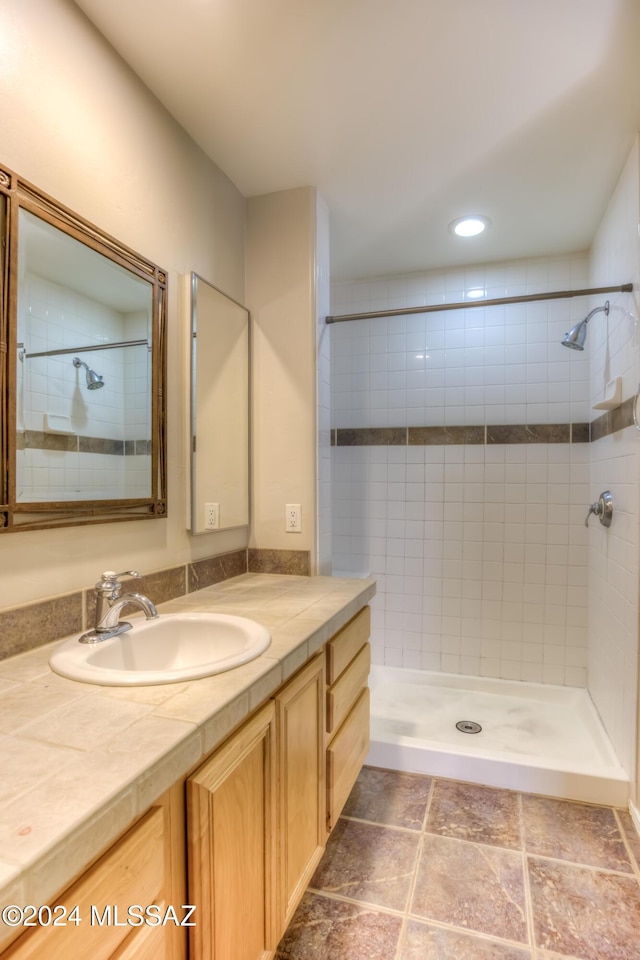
{"points": [[635, 867], [525, 877], [365, 904], [470, 932], [427, 811], [412, 831], [583, 866], [397, 955]]}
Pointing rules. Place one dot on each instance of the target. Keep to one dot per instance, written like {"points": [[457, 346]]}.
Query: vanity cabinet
{"points": [[146, 866], [242, 841]]}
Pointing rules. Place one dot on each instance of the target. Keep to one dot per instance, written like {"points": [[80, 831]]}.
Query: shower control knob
{"points": [[602, 509]]}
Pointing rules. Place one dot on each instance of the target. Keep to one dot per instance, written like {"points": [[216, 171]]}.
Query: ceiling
{"points": [[403, 113]]}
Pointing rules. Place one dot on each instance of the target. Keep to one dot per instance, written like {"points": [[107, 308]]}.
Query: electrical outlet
{"points": [[212, 516], [292, 518]]}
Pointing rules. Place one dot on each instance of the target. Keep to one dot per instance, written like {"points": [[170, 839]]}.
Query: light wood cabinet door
{"points": [[301, 781], [146, 866], [231, 830]]}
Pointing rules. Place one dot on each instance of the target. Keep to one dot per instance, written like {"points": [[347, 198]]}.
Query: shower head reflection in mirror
{"points": [[94, 380]]}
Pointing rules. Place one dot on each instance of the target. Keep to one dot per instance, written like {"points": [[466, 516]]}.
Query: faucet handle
{"points": [[109, 584], [602, 508], [112, 575]]}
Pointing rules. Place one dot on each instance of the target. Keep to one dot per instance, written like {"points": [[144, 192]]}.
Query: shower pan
{"points": [[537, 737]]}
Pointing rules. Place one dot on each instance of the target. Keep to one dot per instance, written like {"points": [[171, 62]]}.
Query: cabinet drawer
{"points": [[132, 872], [344, 646], [345, 691], [345, 755]]}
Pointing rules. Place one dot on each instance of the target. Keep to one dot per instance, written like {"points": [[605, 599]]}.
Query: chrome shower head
{"points": [[578, 334], [94, 380]]}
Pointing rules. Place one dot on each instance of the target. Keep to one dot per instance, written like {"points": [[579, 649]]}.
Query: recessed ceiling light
{"points": [[469, 226]]}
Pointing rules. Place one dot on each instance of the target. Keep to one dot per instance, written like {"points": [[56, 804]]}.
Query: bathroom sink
{"points": [[173, 647]]}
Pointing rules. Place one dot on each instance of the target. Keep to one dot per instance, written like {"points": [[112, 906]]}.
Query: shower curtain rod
{"points": [[496, 302], [93, 346]]}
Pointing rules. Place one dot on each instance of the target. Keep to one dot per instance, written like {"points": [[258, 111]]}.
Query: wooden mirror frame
{"points": [[16, 194]]}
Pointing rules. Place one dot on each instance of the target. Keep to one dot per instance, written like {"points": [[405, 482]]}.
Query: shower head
{"points": [[578, 334], [94, 380]]}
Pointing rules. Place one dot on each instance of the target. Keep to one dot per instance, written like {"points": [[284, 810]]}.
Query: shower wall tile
{"points": [[614, 553], [483, 561], [467, 367], [478, 545], [479, 552]]}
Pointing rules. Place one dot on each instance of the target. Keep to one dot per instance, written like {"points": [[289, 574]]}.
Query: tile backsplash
{"points": [[32, 625]]}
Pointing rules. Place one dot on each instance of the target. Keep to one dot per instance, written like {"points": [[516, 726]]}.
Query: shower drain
{"points": [[468, 726]]}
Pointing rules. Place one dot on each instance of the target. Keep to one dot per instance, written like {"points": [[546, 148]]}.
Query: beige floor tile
{"points": [[326, 929], [583, 912], [571, 831], [471, 812], [368, 863], [476, 886], [421, 941], [388, 797]]}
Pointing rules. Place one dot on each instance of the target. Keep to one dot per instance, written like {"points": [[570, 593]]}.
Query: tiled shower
{"points": [[74, 441], [466, 452]]}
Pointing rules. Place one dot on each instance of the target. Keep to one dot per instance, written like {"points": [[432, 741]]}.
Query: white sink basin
{"points": [[174, 647]]}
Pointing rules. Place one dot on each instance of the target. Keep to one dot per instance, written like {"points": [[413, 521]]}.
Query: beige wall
{"points": [[281, 295], [77, 123]]}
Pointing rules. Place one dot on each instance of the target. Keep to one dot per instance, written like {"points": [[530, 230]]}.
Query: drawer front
{"points": [[344, 646], [347, 688], [345, 755], [132, 872]]}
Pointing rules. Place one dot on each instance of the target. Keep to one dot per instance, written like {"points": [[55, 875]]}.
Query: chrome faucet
{"points": [[109, 604]]}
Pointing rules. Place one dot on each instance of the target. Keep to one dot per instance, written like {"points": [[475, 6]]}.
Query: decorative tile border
{"points": [[530, 433], [603, 426], [76, 443], [454, 435], [445, 436], [372, 437], [613, 420]]}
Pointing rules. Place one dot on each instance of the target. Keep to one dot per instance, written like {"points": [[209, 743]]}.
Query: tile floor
{"points": [[421, 868]]}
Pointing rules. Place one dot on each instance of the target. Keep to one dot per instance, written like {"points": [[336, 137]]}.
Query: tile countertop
{"points": [[80, 762]]}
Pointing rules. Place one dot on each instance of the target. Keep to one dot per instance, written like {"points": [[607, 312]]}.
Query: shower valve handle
{"points": [[602, 508]]}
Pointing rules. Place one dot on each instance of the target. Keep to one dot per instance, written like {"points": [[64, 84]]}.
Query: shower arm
{"points": [[604, 309]]}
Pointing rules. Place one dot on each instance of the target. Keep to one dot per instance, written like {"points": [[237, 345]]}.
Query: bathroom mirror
{"points": [[83, 376], [219, 489]]}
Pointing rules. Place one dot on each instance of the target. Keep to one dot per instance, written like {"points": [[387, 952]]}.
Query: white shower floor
{"points": [[535, 737]]}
